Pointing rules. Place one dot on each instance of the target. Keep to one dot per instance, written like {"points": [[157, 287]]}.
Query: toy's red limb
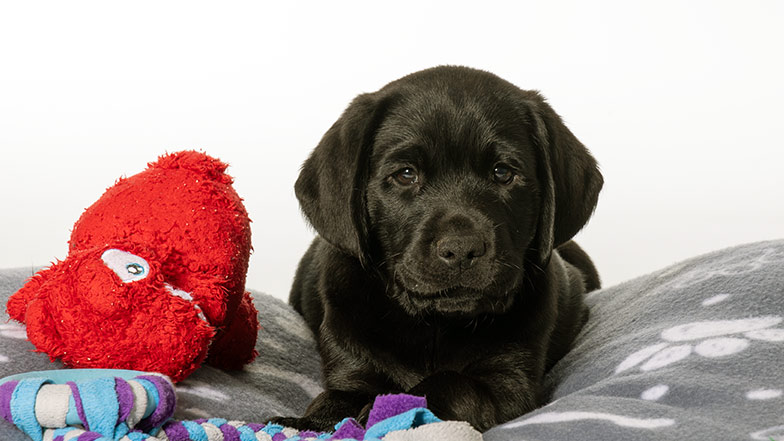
{"points": [[41, 330], [212, 297], [17, 303], [235, 344]]}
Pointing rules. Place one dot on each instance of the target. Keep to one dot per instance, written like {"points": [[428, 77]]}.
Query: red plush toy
{"points": [[154, 279]]}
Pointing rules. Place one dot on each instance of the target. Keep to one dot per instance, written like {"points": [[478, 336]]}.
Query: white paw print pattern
{"points": [[570, 416], [655, 393], [709, 339], [771, 433], [201, 390], [710, 301], [194, 413], [763, 394], [13, 330], [730, 268]]}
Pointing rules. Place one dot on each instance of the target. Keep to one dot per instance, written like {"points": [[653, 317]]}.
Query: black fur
{"points": [[434, 272]]}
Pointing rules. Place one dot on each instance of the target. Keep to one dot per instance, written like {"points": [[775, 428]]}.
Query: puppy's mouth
{"points": [[429, 285], [465, 294]]}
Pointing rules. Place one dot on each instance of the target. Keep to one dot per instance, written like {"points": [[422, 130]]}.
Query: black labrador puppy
{"points": [[445, 203]]}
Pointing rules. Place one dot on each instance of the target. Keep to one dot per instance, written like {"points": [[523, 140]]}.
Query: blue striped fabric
{"points": [[195, 431], [23, 407], [101, 406]]}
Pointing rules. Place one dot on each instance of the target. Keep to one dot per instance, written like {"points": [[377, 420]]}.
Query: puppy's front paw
{"points": [[303, 423], [453, 396]]}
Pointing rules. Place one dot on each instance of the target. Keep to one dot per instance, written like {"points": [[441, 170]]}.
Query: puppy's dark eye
{"points": [[406, 176], [503, 174]]}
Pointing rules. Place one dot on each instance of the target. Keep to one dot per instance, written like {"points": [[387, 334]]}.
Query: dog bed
{"points": [[693, 351]]}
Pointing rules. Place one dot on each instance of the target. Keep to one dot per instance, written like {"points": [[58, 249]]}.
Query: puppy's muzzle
{"points": [[454, 249]]}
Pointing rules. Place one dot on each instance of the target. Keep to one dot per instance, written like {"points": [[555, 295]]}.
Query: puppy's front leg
{"points": [[327, 409], [483, 402]]}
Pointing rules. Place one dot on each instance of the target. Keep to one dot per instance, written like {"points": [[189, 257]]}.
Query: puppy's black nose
{"points": [[460, 250]]}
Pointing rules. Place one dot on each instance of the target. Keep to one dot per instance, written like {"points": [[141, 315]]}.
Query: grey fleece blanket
{"points": [[695, 351], [692, 352]]}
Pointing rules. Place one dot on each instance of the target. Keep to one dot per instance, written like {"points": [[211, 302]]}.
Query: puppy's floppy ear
{"points": [[569, 177], [331, 185]]}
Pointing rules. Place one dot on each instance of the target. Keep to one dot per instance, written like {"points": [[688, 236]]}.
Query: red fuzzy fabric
{"points": [[182, 216]]}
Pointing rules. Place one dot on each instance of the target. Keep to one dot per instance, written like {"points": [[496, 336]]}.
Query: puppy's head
{"points": [[452, 184]]}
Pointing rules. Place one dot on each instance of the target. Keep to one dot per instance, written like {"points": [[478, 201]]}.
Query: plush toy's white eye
{"points": [[129, 267]]}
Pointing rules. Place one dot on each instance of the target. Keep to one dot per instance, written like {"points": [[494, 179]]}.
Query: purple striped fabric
{"points": [[167, 401], [256, 427], [6, 393], [124, 397], [78, 402], [386, 406], [176, 431], [88, 436], [349, 429], [280, 436], [230, 433]]}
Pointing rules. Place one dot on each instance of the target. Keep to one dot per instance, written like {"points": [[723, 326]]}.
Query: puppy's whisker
{"points": [[534, 264], [384, 261], [510, 265]]}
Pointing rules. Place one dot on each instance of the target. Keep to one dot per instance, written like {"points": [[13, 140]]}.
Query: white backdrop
{"points": [[681, 103]]}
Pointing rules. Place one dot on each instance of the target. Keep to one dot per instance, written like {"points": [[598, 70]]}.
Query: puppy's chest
{"points": [[430, 350]]}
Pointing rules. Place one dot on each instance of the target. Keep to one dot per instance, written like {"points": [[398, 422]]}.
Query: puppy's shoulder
{"points": [[303, 296], [325, 275], [580, 265]]}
